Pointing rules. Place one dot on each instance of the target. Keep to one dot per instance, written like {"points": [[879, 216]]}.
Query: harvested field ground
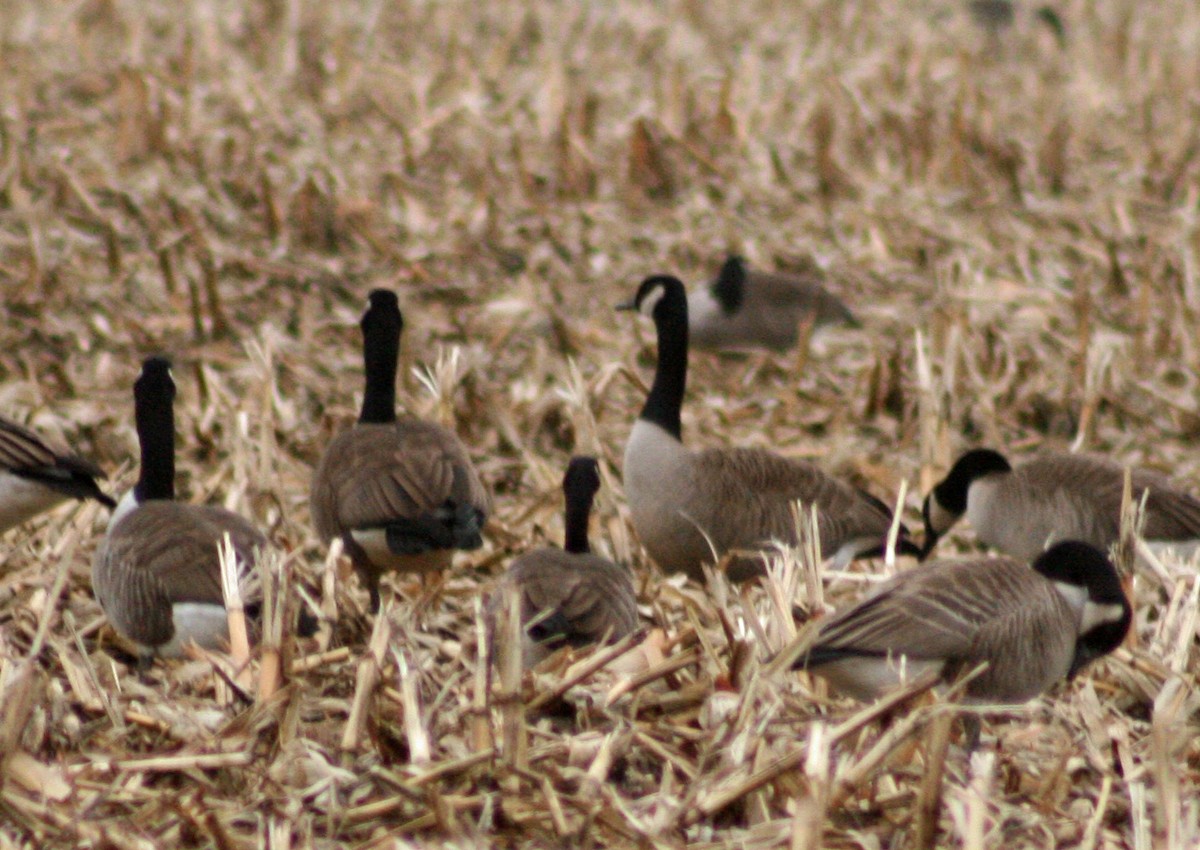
{"points": [[1015, 222]]}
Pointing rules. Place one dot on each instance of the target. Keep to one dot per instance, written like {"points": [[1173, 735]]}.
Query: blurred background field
{"points": [[1012, 217]]}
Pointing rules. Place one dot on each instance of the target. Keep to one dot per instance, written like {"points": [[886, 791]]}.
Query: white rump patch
{"points": [[374, 542], [203, 623], [1099, 615]]}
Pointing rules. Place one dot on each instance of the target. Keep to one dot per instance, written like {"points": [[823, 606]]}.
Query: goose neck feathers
{"points": [[580, 484], [947, 502], [1106, 614], [153, 402], [381, 325], [952, 492], [730, 286], [664, 298]]}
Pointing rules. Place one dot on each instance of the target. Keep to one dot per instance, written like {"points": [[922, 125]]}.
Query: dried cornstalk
{"points": [[275, 579], [367, 678], [508, 644], [231, 586]]}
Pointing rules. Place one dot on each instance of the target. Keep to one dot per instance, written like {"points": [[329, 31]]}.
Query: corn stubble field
{"points": [[1014, 223]]}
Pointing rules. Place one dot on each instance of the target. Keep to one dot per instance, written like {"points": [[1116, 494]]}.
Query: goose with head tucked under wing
{"points": [[569, 595], [1054, 496], [35, 477], [157, 573], [692, 507], [401, 493], [744, 309], [1032, 627]]}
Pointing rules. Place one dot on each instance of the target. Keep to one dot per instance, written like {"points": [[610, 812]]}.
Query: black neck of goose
{"points": [[1100, 640], [729, 289], [579, 509], [155, 416], [665, 400], [381, 348]]}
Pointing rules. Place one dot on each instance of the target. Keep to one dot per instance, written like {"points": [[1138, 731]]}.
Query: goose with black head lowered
{"points": [[569, 596], [157, 572], [401, 493], [35, 476], [691, 507], [744, 309], [1055, 496], [1030, 628]]}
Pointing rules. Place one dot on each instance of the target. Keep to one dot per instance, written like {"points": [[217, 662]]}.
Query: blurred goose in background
{"points": [[569, 595], [745, 309], [993, 16], [1054, 496], [996, 16], [35, 477], [1033, 627], [692, 507], [401, 493], [157, 572]]}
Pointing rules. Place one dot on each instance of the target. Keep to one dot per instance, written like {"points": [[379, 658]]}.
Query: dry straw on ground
{"points": [[1015, 222]]}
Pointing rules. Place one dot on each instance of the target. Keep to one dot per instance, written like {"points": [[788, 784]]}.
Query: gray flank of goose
{"points": [[740, 499], [401, 493], [570, 595], [744, 309], [35, 477], [157, 572], [1053, 496], [1032, 627]]}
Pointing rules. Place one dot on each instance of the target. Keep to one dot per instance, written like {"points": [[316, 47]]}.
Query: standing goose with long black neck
{"points": [[570, 595], [34, 476], [157, 573], [692, 507], [401, 493]]}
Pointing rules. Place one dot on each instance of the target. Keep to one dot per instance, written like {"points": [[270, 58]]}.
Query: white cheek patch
{"points": [[940, 518], [646, 308], [1091, 614], [1099, 615]]}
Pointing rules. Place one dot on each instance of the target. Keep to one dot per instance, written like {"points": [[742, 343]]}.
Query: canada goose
{"points": [[35, 477], [748, 309], [994, 16], [1053, 497], [569, 595], [402, 494], [157, 573], [691, 507], [1032, 626]]}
